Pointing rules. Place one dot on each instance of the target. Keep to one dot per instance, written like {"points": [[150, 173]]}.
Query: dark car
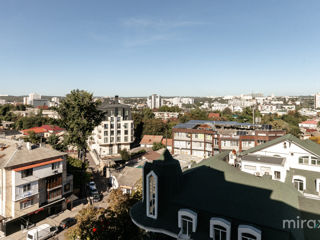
{"points": [[67, 222]]}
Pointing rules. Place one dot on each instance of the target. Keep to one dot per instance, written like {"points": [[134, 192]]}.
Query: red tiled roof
{"points": [[310, 122], [213, 115], [169, 142], [150, 139], [153, 155], [42, 129]]}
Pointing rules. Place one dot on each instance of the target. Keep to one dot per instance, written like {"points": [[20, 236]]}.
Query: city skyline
{"points": [[170, 48]]}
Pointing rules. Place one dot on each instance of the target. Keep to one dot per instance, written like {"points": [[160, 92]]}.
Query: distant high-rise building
{"points": [[317, 100], [32, 96], [154, 101]]}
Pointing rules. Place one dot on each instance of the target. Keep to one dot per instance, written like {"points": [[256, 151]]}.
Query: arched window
{"points": [[187, 222], [299, 182], [246, 232], [220, 229], [152, 195]]}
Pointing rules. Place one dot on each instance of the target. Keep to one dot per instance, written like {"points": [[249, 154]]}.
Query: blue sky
{"points": [[170, 47]]}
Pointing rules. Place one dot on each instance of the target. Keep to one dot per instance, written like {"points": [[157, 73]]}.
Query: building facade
{"points": [[116, 131], [287, 159], [317, 100], [204, 138], [154, 101], [34, 182]]}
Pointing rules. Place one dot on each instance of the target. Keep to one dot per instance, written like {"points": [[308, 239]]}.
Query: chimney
{"points": [[116, 99]]}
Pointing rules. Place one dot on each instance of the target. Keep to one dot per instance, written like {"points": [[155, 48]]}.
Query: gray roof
{"points": [[264, 159], [306, 144], [193, 123], [12, 156], [128, 176], [213, 188]]}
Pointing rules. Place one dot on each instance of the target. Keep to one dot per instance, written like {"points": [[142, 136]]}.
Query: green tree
{"points": [[154, 127], [79, 115], [33, 138], [56, 143], [157, 146], [125, 155]]}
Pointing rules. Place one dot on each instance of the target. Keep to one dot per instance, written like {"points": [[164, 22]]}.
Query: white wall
{"points": [[292, 153], [38, 173]]}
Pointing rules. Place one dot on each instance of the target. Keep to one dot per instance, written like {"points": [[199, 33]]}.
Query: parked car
{"points": [[67, 222], [42, 232], [92, 185], [95, 195]]}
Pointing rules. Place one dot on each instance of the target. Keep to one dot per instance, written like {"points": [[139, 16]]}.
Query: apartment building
{"points": [[33, 184], [317, 100], [116, 131], [286, 159], [154, 101], [203, 138]]}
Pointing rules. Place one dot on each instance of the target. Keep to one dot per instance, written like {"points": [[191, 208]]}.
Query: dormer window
{"points": [[220, 229], [152, 195], [246, 232], [187, 222]]}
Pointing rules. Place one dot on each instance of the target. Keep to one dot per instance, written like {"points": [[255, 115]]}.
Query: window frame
{"points": [[188, 213], [248, 229], [300, 178], [148, 194], [221, 222], [25, 171]]}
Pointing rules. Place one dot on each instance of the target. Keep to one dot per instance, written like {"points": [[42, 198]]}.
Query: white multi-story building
{"points": [[116, 131], [32, 96], [154, 101], [33, 181], [286, 159], [317, 100]]}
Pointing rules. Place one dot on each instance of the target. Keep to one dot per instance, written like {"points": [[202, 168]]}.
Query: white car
{"points": [[42, 232]]}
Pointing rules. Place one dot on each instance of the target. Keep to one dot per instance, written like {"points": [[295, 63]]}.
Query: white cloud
{"points": [[151, 23]]}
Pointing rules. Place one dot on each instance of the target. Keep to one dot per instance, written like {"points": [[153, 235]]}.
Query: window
{"points": [[118, 125], [187, 222], [54, 193], [250, 167], [118, 139], [246, 232], [110, 149], [111, 139], [106, 133], [26, 187], [67, 187], [298, 184], [126, 132], [220, 229], [119, 132], [315, 161], [152, 195], [105, 139], [125, 125], [106, 126], [26, 203], [27, 173], [186, 225], [304, 160], [55, 166], [277, 175], [118, 119], [126, 139], [112, 133], [112, 126]]}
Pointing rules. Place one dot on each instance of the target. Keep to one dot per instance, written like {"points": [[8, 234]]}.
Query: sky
{"points": [[168, 47]]}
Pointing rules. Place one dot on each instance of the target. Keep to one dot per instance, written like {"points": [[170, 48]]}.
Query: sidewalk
{"points": [[53, 220]]}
